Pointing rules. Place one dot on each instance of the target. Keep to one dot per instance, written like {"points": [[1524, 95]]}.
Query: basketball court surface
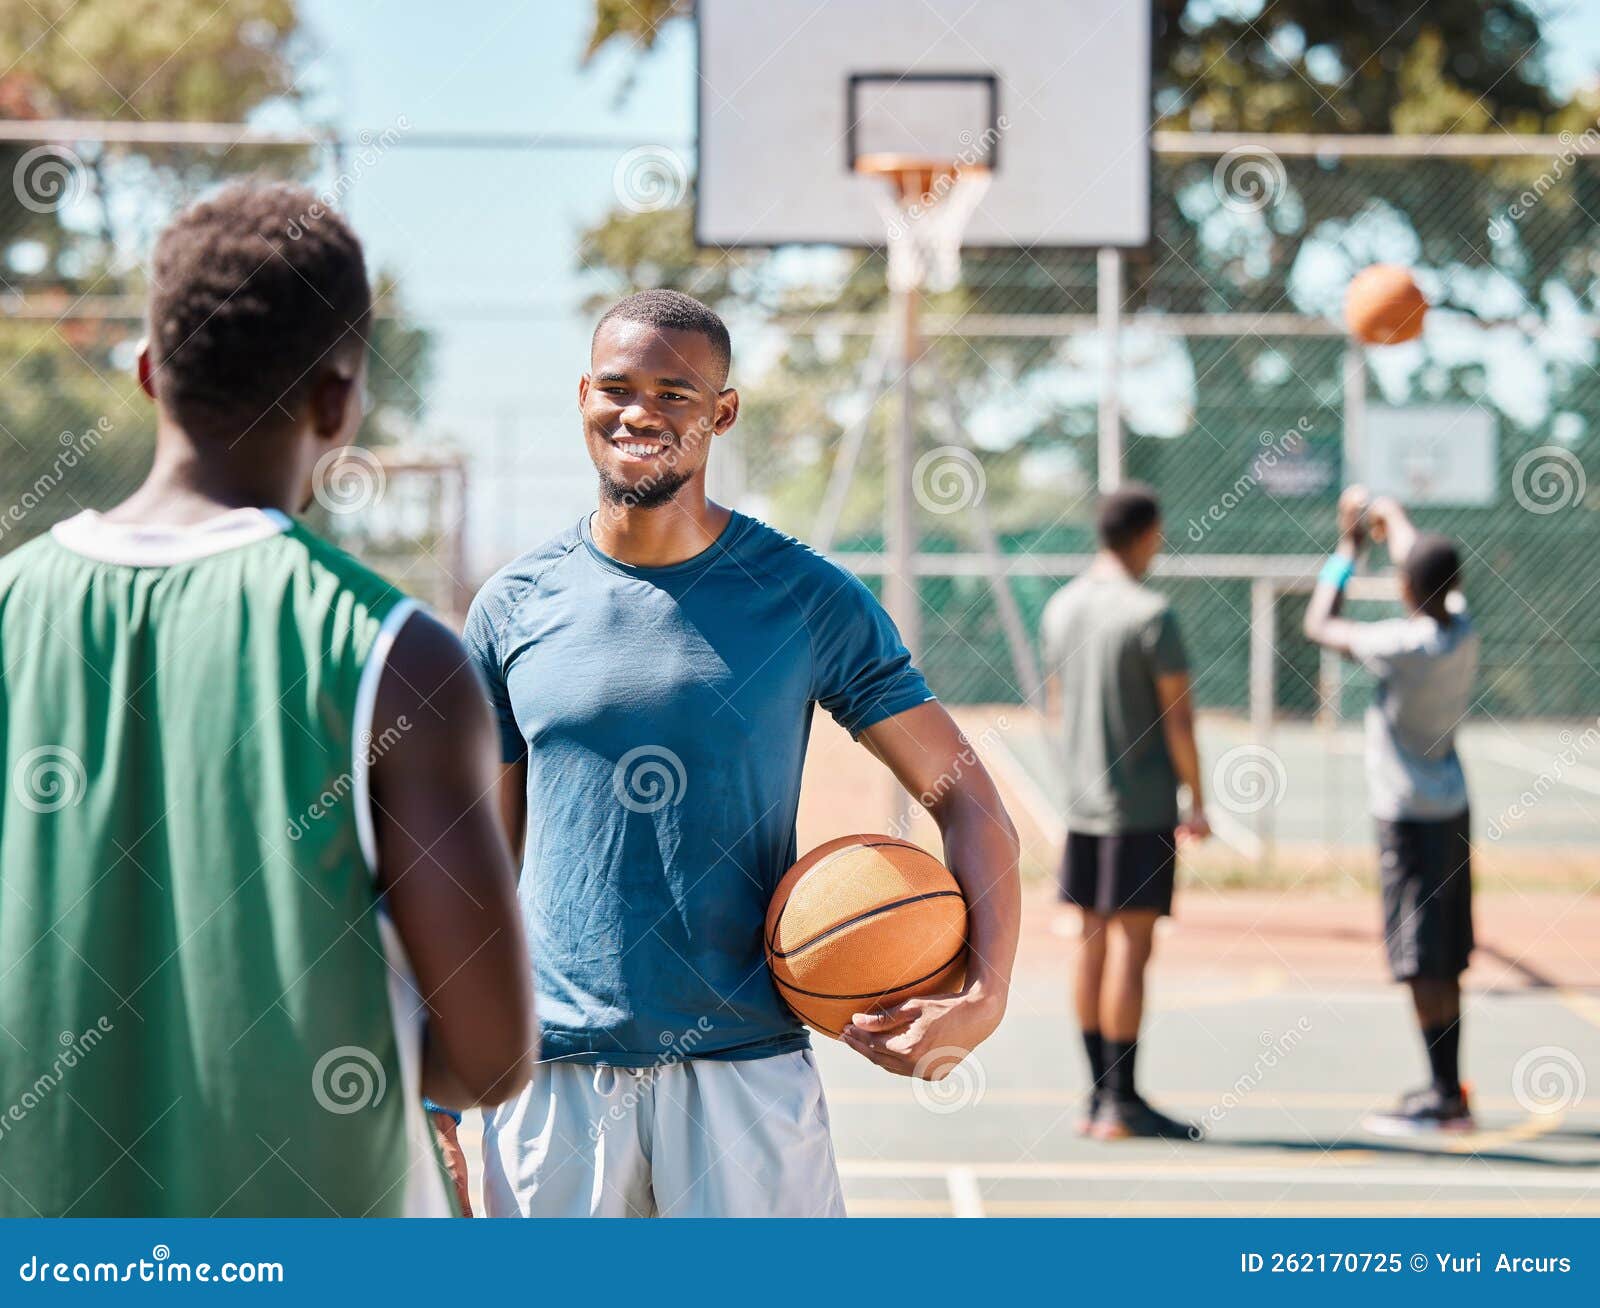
{"points": [[1279, 1061], [1279, 1065], [1271, 1021]]}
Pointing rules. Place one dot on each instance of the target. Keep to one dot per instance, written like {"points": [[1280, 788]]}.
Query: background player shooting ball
{"points": [[1425, 664]]}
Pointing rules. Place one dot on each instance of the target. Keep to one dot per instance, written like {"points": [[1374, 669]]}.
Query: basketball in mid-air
{"points": [[1384, 305], [861, 923]]}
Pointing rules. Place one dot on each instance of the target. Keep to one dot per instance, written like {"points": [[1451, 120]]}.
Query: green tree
{"points": [[1370, 66], [76, 220]]}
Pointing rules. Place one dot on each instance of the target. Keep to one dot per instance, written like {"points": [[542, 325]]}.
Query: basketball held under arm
{"points": [[927, 753], [446, 872]]}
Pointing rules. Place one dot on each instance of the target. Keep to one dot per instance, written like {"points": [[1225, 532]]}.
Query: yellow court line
{"points": [[898, 1094], [898, 1208], [1583, 1004], [1537, 1124], [1364, 1168]]}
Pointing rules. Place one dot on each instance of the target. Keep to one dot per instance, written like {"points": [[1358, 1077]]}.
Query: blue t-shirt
{"points": [[664, 715]]}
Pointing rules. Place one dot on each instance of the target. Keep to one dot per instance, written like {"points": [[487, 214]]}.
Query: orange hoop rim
{"points": [[913, 175]]}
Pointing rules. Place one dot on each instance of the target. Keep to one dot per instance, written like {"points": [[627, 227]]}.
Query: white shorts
{"points": [[699, 1138]]}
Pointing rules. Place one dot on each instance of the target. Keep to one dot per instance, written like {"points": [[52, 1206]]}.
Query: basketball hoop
{"points": [[926, 206]]}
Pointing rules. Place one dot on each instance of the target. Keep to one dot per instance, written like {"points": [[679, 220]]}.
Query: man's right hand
{"points": [[455, 1158], [1197, 827], [1353, 509], [1381, 513]]}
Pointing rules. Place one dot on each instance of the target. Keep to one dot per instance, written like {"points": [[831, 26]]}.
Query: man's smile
{"points": [[639, 449]]}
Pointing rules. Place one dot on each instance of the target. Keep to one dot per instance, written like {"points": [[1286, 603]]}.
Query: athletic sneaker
{"points": [[1091, 1110], [1122, 1119], [1424, 1112]]}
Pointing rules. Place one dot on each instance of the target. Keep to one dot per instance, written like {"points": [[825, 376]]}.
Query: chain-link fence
{"points": [[1239, 397]]}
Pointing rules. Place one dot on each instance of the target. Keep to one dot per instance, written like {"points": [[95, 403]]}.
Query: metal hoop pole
{"points": [[1108, 307], [900, 534]]}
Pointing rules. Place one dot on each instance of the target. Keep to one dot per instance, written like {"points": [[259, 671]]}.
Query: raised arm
{"points": [[1391, 525], [1323, 625], [930, 757], [445, 870]]}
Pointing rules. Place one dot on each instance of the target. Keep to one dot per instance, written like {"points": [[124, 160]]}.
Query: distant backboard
{"points": [[1432, 453], [1052, 95]]}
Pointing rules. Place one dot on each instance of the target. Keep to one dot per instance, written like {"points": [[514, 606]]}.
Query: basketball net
{"points": [[925, 206]]}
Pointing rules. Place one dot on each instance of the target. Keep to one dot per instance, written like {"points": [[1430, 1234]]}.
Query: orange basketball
{"points": [[861, 923], [1384, 305]]}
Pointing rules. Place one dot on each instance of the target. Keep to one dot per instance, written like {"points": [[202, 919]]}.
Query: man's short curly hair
{"points": [[675, 311], [252, 290]]}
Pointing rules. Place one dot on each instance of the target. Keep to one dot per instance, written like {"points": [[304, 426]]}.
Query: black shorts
{"points": [[1118, 873], [1426, 870]]}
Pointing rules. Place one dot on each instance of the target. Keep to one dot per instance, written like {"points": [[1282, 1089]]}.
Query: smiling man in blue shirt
{"points": [[655, 669]]}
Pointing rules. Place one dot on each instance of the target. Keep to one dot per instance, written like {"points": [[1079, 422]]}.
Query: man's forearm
{"points": [[513, 804], [1400, 535], [1328, 597], [981, 849], [439, 1081], [1185, 754]]}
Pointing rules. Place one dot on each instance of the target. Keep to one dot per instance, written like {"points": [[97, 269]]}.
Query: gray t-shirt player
{"points": [[1425, 677], [1107, 639]]}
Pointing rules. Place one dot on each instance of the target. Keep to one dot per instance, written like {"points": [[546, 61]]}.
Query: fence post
{"points": [[1330, 689], [1263, 691], [1354, 446], [900, 586], [1108, 310], [1355, 413]]}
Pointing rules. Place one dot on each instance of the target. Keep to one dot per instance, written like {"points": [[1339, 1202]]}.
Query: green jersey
{"points": [[203, 1007]]}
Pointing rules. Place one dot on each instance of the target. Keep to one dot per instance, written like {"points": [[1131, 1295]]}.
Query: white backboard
{"points": [[1432, 453], [1068, 83]]}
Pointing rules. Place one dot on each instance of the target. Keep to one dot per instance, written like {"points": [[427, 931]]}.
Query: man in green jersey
{"points": [[254, 898]]}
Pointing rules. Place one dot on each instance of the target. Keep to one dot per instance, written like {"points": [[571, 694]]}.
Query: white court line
{"points": [[1018, 779], [1540, 764], [966, 1199], [1014, 774], [1235, 835], [1425, 1175]]}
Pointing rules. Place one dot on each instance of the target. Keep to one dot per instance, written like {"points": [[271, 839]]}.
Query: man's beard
{"points": [[653, 492]]}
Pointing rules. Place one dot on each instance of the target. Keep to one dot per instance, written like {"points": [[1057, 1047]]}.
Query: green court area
{"points": [[1299, 788]]}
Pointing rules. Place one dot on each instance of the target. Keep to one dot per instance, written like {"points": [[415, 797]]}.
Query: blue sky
{"points": [[484, 241], [1572, 31]]}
